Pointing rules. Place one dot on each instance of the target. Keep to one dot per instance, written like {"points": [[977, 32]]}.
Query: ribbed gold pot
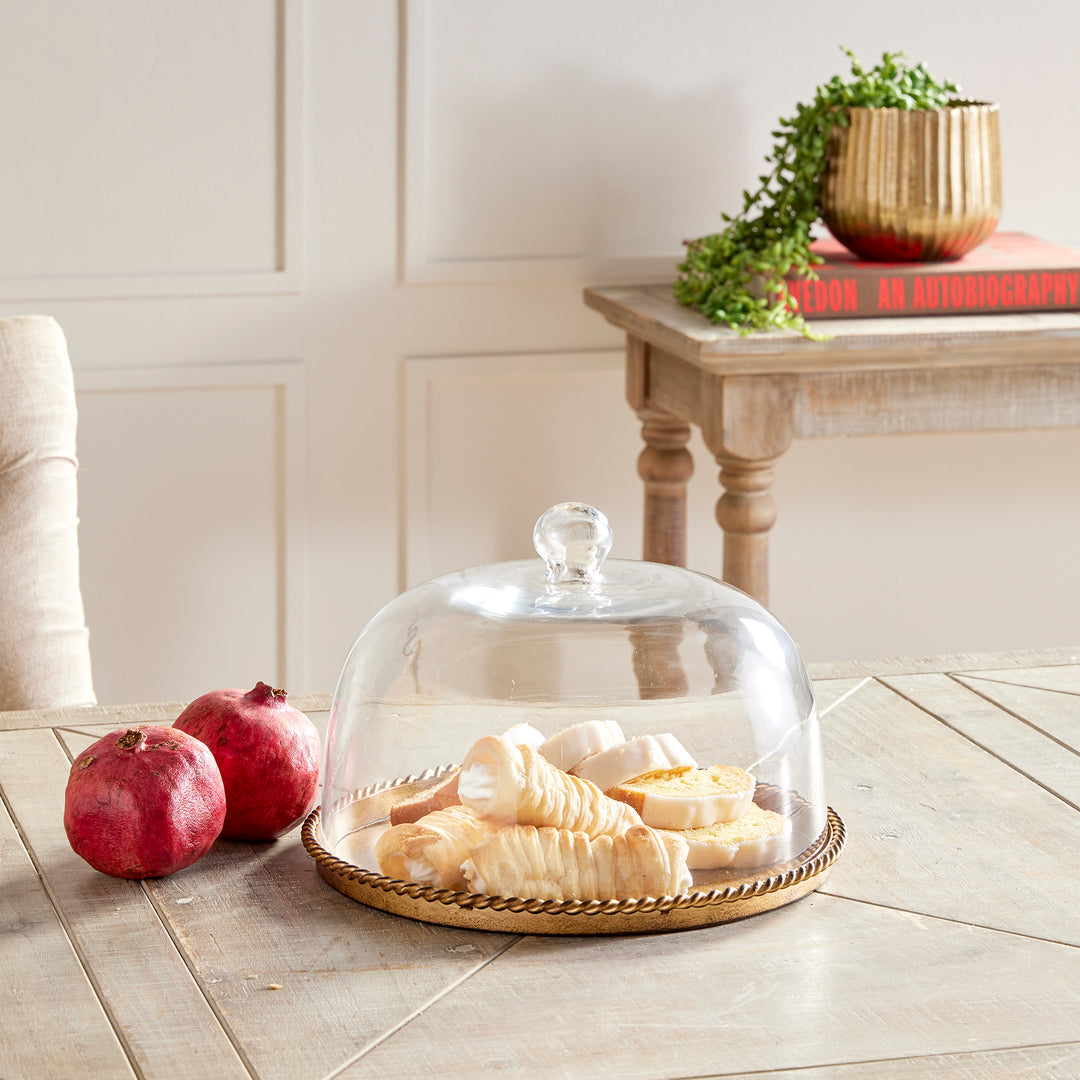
{"points": [[914, 185]]}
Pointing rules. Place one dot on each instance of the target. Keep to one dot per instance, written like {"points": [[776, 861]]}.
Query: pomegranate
{"points": [[143, 802], [268, 754]]}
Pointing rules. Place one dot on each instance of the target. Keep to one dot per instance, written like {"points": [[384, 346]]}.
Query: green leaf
{"points": [[771, 234]]}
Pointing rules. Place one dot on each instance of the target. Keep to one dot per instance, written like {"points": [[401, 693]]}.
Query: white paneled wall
{"points": [[320, 268], [161, 150], [536, 429], [192, 527]]}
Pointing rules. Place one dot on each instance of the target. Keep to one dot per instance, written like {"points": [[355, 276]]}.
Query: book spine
{"points": [[868, 293]]}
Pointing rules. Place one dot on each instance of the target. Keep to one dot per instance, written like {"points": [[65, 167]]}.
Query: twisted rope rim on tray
{"points": [[827, 849]]}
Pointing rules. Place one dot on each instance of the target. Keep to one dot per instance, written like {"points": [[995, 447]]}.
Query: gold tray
{"points": [[736, 897]]}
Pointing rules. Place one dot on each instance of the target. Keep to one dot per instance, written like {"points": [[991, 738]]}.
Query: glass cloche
{"points": [[573, 745]]}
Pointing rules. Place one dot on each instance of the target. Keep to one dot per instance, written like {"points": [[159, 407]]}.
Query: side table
{"points": [[752, 395]]}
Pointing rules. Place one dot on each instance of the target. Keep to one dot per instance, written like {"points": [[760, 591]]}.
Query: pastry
{"points": [[758, 837], [686, 798], [573, 745], [514, 785], [646, 753], [558, 864], [430, 851], [438, 797], [525, 735], [445, 793]]}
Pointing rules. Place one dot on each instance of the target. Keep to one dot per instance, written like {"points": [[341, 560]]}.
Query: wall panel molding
{"points": [[418, 265], [421, 380], [288, 381], [286, 274]]}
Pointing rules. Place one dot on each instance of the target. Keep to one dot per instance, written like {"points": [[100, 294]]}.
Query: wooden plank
{"points": [[831, 404], [256, 916], [1060, 1062], [929, 400], [117, 715], [1020, 738], [651, 313], [939, 826], [38, 969], [819, 982], [159, 1010], [110, 715], [1064, 677], [81, 735], [1031, 659], [1056, 713], [827, 692]]}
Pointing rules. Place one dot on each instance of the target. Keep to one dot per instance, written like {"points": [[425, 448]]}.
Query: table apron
{"points": [[881, 402], [936, 401]]}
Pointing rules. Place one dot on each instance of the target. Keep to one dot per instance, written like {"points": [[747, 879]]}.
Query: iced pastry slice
{"points": [[758, 837], [647, 753], [525, 735], [573, 745], [514, 785], [438, 797], [687, 798], [558, 864], [430, 851]]}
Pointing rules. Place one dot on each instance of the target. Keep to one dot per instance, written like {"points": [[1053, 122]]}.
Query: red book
{"points": [[1009, 272]]}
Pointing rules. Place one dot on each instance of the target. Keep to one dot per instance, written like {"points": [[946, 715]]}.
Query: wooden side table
{"points": [[752, 395]]}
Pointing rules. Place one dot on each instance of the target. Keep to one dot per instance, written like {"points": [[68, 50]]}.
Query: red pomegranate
{"points": [[268, 754], [143, 802]]}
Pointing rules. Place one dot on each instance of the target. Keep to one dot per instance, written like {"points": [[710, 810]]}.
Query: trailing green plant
{"points": [[736, 276]]}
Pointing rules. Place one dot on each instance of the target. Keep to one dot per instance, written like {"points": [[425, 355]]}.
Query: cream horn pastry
{"points": [[430, 851], [557, 864], [514, 785]]}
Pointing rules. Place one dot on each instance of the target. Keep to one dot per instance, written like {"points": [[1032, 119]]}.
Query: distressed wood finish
{"points": [[817, 983], [39, 967], [651, 314], [1030, 1063], [1003, 666], [945, 941], [939, 825], [752, 395], [1033, 729], [111, 924], [112, 716], [665, 465]]}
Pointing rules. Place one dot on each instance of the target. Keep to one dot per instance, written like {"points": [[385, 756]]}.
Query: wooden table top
{"points": [[945, 942], [650, 313]]}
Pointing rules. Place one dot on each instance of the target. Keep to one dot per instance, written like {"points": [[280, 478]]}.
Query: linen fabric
{"points": [[44, 641]]}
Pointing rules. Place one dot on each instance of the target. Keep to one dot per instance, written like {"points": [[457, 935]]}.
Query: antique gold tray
{"points": [[720, 897]]}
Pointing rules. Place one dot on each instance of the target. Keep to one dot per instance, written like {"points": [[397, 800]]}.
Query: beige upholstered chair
{"points": [[44, 643]]}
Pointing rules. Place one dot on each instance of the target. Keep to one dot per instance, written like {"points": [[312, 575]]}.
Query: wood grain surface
{"points": [[652, 314], [752, 395], [945, 942]]}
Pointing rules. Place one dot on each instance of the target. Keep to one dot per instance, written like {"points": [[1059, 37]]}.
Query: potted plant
{"points": [[878, 158]]}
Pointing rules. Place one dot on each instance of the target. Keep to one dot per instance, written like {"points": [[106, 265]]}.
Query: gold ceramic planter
{"points": [[914, 185]]}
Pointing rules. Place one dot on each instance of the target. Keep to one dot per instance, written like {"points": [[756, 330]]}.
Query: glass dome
{"points": [[572, 729]]}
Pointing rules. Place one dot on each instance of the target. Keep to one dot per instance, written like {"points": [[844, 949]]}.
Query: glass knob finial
{"points": [[573, 539]]}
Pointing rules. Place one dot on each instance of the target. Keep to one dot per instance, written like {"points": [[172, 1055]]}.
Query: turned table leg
{"points": [[665, 465], [746, 512], [748, 425], [657, 665]]}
